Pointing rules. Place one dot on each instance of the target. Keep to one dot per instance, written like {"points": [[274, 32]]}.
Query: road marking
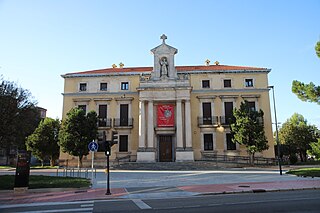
{"points": [[44, 204], [141, 204], [60, 210], [86, 205]]}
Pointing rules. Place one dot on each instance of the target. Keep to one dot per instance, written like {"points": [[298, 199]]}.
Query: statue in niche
{"points": [[164, 67]]}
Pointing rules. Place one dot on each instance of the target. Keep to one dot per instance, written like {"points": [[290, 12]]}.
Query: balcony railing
{"points": [[211, 121], [104, 122], [117, 122], [226, 120]]}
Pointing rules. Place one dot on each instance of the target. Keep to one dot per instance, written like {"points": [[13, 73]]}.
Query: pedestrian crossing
{"points": [[78, 206]]}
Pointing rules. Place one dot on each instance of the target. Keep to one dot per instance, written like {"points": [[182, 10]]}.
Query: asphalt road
{"points": [[128, 179], [285, 201]]}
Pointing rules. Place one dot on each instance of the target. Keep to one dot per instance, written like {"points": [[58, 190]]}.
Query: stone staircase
{"points": [[169, 166]]}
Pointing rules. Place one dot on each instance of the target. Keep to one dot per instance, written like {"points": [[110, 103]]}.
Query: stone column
{"points": [[142, 126], [179, 126], [187, 125], [150, 125]]}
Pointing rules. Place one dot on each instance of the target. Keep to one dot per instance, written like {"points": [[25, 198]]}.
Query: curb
{"points": [[256, 191]]}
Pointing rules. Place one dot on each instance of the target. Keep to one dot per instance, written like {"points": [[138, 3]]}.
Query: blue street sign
{"points": [[93, 146]]}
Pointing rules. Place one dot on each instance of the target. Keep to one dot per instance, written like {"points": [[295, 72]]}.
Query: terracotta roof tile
{"points": [[179, 68]]}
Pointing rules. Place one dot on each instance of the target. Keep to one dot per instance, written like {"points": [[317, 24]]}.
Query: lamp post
{"points": [[277, 137]]}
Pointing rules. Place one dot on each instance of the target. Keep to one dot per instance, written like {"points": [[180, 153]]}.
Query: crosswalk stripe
{"points": [[43, 204], [59, 210], [141, 204], [86, 205]]}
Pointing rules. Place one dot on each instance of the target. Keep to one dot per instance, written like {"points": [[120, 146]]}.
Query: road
{"points": [[130, 179], [284, 201]]}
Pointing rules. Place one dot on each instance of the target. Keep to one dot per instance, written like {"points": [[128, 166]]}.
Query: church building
{"points": [[168, 112]]}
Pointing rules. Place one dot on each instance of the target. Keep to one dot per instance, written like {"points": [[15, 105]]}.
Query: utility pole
{"points": [[277, 136]]}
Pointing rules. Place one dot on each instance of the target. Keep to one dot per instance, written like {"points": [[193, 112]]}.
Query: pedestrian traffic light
{"points": [[114, 138], [108, 148]]}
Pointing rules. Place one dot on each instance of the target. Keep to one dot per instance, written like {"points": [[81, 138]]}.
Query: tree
{"points": [[297, 135], [248, 129], [317, 48], [307, 92], [77, 131], [315, 149], [18, 115], [43, 143]]}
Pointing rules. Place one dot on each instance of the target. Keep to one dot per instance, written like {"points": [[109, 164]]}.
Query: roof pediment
{"points": [[164, 49]]}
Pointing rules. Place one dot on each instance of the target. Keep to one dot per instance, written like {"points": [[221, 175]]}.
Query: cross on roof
{"points": [[163, 37]]}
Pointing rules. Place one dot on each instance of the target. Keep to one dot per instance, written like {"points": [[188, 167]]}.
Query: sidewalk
{"points": [[63, 195]]}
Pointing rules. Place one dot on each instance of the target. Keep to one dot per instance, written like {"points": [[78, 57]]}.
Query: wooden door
{"points": [[165, 148]]}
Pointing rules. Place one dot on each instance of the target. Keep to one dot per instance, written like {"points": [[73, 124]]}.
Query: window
{"points": [[252, 105], [227, 83], [249, 82], [124, 85], [205, 84], [83, 87], [124, 114], [228, 112], [208, 142], [206, 112], [230, 144], [123, 143], [83, 107], [103, 86], [103, 115]]}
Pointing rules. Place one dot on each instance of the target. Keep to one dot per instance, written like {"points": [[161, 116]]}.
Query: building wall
{"points": [[216, 94]]}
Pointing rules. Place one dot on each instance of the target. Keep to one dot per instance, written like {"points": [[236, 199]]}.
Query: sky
{"points": [[40, 40]]}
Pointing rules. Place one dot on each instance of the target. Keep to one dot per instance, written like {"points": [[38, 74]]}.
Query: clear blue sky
{"points": [[40, 40]]}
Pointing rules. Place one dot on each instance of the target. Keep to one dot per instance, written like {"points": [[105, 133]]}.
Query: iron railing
{"points": [[213, 121], [117, 122], [104, 122], [238, 159]]}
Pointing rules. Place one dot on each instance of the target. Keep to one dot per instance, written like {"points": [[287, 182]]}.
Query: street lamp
{"points": [[277, 137]]}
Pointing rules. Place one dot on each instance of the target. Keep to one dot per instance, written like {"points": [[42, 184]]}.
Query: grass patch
{"points": [[6, 167], [41, 181], [309, 172], [43, 167]]}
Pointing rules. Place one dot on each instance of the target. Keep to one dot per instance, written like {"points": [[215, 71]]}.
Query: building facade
{"points": [[168, 112]]}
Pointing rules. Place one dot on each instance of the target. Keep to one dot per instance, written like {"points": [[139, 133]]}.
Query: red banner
{"points": [[165, 115]]}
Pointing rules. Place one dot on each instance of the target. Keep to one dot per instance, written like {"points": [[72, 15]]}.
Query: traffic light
{"points": [[107, 148], [102, 141], [114, 138]]}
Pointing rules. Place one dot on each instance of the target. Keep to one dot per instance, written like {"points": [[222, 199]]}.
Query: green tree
{"points": [[18, 115], [43, 142], [317, 48], [315, 149], [77, 131], [307, 92], [297, 135], [248, 129]]}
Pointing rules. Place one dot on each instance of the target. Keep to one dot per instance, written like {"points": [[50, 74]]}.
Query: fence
{"points": [[239, 159], [76, 172]]}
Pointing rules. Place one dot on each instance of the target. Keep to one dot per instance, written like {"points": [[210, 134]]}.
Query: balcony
{"points": [[208, 121], [104, 122], [123, 123], [226, 120]]}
